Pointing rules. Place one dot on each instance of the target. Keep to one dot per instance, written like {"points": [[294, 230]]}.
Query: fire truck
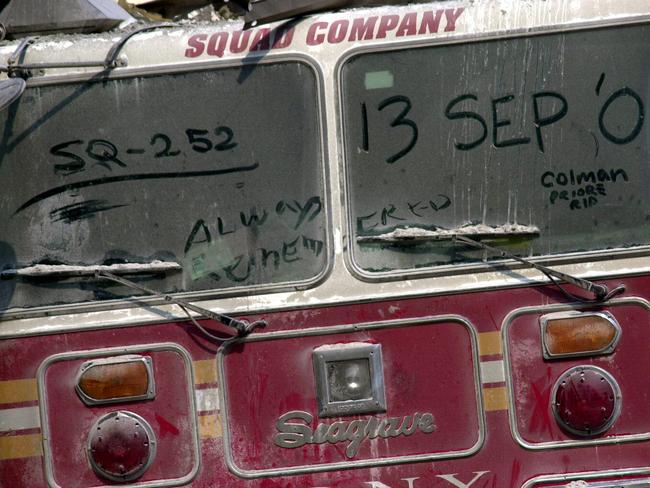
{"points": [[398, 246]]}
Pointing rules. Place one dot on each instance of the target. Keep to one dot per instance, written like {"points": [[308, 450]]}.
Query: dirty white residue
{"points": [[338, 246], [577, 484], [416, 233], [47, 46], [57, 269]]}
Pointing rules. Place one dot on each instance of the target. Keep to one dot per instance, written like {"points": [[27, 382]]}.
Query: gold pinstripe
{"points": [[205, 371], [210, 426], [20, 446], [18, 391], [489, 343], [495, 398]]}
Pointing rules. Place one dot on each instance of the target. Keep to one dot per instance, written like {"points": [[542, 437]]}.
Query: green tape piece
{"points": [[376, 80], [203, 259]]}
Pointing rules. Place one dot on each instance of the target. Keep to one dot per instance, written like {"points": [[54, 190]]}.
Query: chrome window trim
{"points": [[545, 319], [514, 430], [184, 67], [98, 316], [343, 465], [445, 270], [97, 353]]}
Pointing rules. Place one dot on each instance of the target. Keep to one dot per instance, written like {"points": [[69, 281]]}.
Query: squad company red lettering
{"points": [[215, 49], [261, 40], [407, 26], [196, 45], [362, 29], [337, 31], [387, 23], [430, 22], [359, 29], [239, 41], [451, 16], [283, 38], [313, 37]]}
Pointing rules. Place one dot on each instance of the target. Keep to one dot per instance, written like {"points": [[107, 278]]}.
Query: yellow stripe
{"points": [[489, 343], [20, 446], [209, 426], [495, 399], [205, 371], [17, 391]]}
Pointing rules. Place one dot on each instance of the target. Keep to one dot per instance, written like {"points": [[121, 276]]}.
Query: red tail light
{"points": [[121, 446], [586, 400]]}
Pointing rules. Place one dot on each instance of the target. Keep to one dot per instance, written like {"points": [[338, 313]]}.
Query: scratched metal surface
{"points": [[265, 379]]}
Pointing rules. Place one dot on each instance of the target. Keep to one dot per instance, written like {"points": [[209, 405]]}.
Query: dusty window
{"points": [[546, 132], [219, 170]]}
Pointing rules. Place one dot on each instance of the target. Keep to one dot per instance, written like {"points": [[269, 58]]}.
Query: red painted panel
{"points": [[70, 421], [22, 473], [533, 377], [428, 368], [500, 463]]}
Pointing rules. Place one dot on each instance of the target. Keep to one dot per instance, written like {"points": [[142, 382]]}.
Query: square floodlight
{"points": [[349, 379]]}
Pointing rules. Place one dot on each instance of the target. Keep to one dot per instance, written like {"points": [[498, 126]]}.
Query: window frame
{"points": [[185, 66], [459, 269]]}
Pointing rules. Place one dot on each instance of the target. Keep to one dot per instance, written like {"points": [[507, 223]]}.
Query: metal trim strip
{"points": [[97, 316]]}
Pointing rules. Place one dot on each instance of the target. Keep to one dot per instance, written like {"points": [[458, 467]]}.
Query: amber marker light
{"points": [[569, 334], [116, 379]]}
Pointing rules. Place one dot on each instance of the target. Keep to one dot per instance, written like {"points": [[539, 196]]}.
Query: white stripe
{"points": [[207, 399], [492, 372], [19, 419]]}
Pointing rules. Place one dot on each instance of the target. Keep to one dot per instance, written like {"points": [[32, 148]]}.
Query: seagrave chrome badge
{"points": [[294, 429]]}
